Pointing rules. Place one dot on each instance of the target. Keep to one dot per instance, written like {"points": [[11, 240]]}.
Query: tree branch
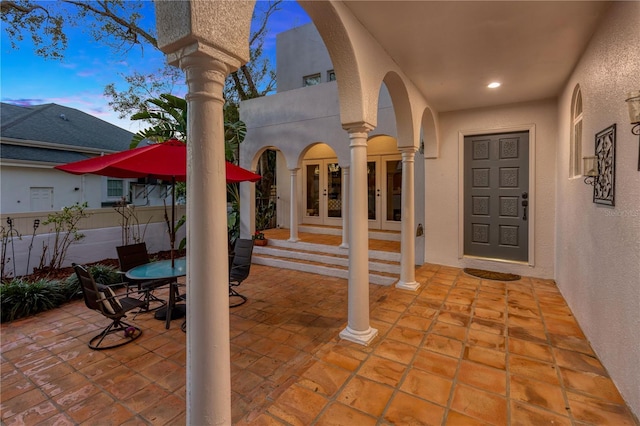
{"points": [[108, 14]]}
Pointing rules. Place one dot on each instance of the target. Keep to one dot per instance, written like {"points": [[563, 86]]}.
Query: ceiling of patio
{"points": [[452, 50]]}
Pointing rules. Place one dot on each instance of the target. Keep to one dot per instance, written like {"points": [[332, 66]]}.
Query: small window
{"points": [[576, 134], [331, 75], [114, 188], [311, 80]]}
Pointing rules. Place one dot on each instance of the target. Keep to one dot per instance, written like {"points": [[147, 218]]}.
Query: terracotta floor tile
{"points": [[414, 322], [406, 335], [382, 370], [489, 357], [571, 343], [145, 398], [479, 404], [454, 318], [115, 413], [595, 411], [532, 335], [527, 415], [342, 415], [489, 314], [487, 340], [290, 367], [535, 392], [16, 387], [449, 330], [324, 378], [579, 361], [530, 349], [166, 410], [427, 386], [593, 384], [533, 369], [21, 403], [33, 415], [406, 409], [483, 377], [436, 363], [487, 326], [88, 408], [76, 395], [298, 405], [395, 351], [443, 345], [458, 419], [365, 395]]}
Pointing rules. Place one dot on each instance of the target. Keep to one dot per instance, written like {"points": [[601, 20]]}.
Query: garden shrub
{"points": [[21, 298]]}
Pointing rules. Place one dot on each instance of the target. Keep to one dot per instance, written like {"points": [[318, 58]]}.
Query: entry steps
{"points": [[333, 230], [384, 266]]}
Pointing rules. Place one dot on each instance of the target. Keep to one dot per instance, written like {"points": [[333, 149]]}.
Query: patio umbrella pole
{"points": [[173, 218]]}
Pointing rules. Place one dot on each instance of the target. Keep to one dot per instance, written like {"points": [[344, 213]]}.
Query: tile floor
{"points": [[459, 351]]}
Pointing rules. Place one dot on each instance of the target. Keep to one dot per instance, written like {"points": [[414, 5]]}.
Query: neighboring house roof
{"points": [[56, 134]]}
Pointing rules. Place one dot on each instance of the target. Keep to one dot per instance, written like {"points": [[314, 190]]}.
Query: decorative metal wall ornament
{"points": [[604, 188]]}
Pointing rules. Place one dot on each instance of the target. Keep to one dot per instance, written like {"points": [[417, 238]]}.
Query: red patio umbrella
{"points": [[166, 160]]}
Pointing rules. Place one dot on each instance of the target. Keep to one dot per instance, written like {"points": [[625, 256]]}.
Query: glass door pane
{"points": [[394, 190], [312, 206], [334, 185], [372, 191]]}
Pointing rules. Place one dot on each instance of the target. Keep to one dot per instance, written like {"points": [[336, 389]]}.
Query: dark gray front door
{"points": [[496, 186]]}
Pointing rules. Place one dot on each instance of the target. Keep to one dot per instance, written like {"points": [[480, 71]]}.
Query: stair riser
{"points": [[317, 269], [329, 261]]}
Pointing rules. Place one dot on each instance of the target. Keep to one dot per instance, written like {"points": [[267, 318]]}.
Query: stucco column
{"points": [[358, 329], [208, 351], [407, 238], [345, 208], [293, 221]]}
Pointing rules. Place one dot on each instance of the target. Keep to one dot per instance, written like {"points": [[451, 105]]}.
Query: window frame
{"points": [[317, 76], [577, 127]]}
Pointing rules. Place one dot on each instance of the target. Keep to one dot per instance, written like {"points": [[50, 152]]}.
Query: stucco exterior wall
{"points": [[300, 52], [17, 181], [598, 247], [443, 184]]}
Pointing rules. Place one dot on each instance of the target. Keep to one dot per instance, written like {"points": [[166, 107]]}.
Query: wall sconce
{"points": [[633, 102], [589, 170]]}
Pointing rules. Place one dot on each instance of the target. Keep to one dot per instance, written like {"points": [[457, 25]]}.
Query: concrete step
{"points": [[330, 230], [384, 267]]}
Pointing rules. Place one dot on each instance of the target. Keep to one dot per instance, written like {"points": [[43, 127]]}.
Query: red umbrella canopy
{"points": [[166, 161]]}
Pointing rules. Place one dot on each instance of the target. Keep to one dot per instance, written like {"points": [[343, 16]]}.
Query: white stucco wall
{"points": [[442, 184], [598, 247], [300, 52], [17, 181]]}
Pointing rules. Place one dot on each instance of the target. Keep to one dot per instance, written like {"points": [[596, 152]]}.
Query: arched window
{"points": [[576, 133]]}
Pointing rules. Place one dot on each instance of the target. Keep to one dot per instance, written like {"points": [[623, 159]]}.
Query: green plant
{"points": [[65, 230], [20, 298], [130, 224], [102, 274]]}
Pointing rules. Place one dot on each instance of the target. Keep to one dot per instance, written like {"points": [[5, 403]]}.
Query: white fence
{"points": [[103, 232]]}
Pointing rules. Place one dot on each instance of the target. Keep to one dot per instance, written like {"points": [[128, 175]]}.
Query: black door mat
{"points": [[491, 275]]}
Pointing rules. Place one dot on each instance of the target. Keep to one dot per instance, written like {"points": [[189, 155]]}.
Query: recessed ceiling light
{"points": [[493, 85]]}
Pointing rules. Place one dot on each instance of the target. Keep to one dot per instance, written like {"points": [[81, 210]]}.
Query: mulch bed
{"points": [[63, 273]]}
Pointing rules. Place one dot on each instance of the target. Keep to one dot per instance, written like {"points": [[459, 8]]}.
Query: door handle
{"points": [[525, 204], [378, 192], [324, 192]]}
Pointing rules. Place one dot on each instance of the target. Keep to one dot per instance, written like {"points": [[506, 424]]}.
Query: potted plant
{"points": [[259, 239]]}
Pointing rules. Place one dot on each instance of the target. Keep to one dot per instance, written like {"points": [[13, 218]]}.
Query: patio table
{"points": [[162, 269]]}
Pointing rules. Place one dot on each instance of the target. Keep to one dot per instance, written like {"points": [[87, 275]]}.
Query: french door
{"points": [[323, 192], [384, 177]]}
